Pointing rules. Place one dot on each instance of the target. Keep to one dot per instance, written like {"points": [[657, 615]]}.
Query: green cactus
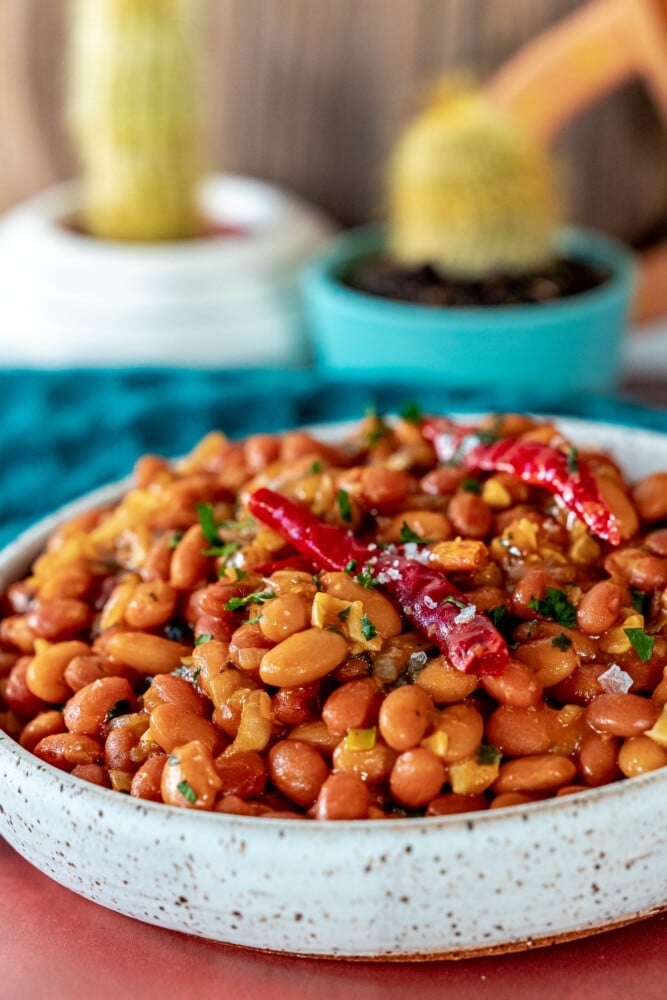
{"points": [[135, 114], [469, 192]]}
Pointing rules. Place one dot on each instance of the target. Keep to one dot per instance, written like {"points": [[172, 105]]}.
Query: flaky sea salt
{"points": [[466, 614], [615, 681], [429, 602]]}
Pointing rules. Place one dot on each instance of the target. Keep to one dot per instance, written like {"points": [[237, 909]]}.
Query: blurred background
{"points": [[311, 94]]}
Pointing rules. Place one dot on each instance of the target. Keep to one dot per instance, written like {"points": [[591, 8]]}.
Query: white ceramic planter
{"points": [[68, 299], [416, 888]]}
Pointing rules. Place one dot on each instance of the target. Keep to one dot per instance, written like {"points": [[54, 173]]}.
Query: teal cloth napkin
{"points": [[65, 432]]}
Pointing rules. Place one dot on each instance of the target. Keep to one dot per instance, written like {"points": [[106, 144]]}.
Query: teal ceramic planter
{"points": [[549, 350]]}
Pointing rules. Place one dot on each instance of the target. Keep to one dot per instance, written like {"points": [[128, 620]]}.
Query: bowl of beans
{"points": [[391, 689]]}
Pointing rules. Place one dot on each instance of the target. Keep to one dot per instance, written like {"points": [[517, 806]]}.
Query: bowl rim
{"points": [[30, 542], [321, 282]]}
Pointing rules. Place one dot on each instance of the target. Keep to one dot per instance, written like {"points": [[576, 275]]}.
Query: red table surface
{"points": [[56, 945]]}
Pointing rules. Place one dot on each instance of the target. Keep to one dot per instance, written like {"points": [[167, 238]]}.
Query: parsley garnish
{"points": [[365, 578], [368, 629], [254, 620], [187, 791], [412, 413], [175, 539], [377, 433], [204, 637], [555, 607], [640, 600], [471, 485], [561, 641], [351, 566], [344, 506], [487, 436], [408, 535], [487, 754], [641, 642], [121, 707], [499, 617], [225, 550], [344, 614], [209, 528], [453, 600], [572, 461], [189, 674], [315, 467], [258, 597]]}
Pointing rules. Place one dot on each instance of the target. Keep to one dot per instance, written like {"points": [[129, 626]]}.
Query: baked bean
{"points": [[342, 796], [442, 481], [405, 715], [582, 685], [171, 726], [168, 688], [427, 524], [444, 683], [157, 564], [147, 781], [518, 732], [597, 760], [354, 705], [373, 765], [510, 799], [639, 755], [416, 777], [297, 770], [534, 774], [517, 686], [548, 659], [303, 657], [94, 773], [656, 542], [189, 565], [90, 708], [470, 515], [18, 695], [16, 631], [532, 587], [241, 773], [386, 619], [318, 735], [260, 450], [124, 749], [45, 724], [620, 504], [149, 654], [151, 604], [45, 674], [283, 616], [59, 618], [383, 488], [622, 715], [189, 777], [292, 706], [464, 728], [88, 667], [599, 607], [72, 580], [650, 497], [66, 750], [451, 804]]}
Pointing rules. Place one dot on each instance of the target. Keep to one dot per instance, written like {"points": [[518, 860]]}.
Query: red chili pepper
{"points": [[426, 597], [566, 476]]}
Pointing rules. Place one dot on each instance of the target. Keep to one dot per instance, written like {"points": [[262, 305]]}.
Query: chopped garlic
{"points": [[615, 681]]}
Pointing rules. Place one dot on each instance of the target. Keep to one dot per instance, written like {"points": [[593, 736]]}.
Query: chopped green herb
{"points": [[351, 566], [556, 607], [245, 524], [499, 617], [224, 551], [408, 535], [175, 539], [187, 673], [488, 436], [204, 637], [344, 614], [452, 600], [365, 578], [254, 619], [471, 485], [640, 601], [315, 467], [207, 522], [641, 642], [258, 597], [344, 506], [368, 629], [573, 461], [121, 707], [412, 413], [487, 754], [377, 433], [561, 641], [187, 791]]}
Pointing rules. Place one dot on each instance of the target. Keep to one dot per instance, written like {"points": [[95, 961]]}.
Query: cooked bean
{"points": [[551, 660], [45, 724], [171, 727], [66, 750], [510, 799], [297, 770], [241, 773], [189, 777], [90, 708], [427, 524], [88, 667], [45, 674], [444, 683], [518, 731], [599, 607], [416, 777], [373, 765], [656, 542], [405, 715], [650, 497], [380, 610], [189, 565], [451, 804], [639, 755], [151, 604], [354, 705], [598, 759], [59, 618], [318, 735], [168, 688], [539, 773], [620, 504], [18, 695], [342, 796], [292, 706], [149, 654], [464, 728], [517, 686], [147, 781], [283, 616], [622, 715], [383, 488], [303, 657], [470, 515]]}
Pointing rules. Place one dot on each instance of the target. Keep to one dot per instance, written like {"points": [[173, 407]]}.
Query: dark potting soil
{"points": [[382, 277]]}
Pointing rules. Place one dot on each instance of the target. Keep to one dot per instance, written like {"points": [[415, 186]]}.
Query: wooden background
{"points": [[311, 93]]}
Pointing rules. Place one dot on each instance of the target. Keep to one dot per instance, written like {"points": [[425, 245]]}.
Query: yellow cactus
{"points": [[469, 192], [134, 111]]}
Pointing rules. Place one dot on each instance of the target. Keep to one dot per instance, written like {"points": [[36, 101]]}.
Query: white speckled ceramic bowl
{"points": [[427, 888]]}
